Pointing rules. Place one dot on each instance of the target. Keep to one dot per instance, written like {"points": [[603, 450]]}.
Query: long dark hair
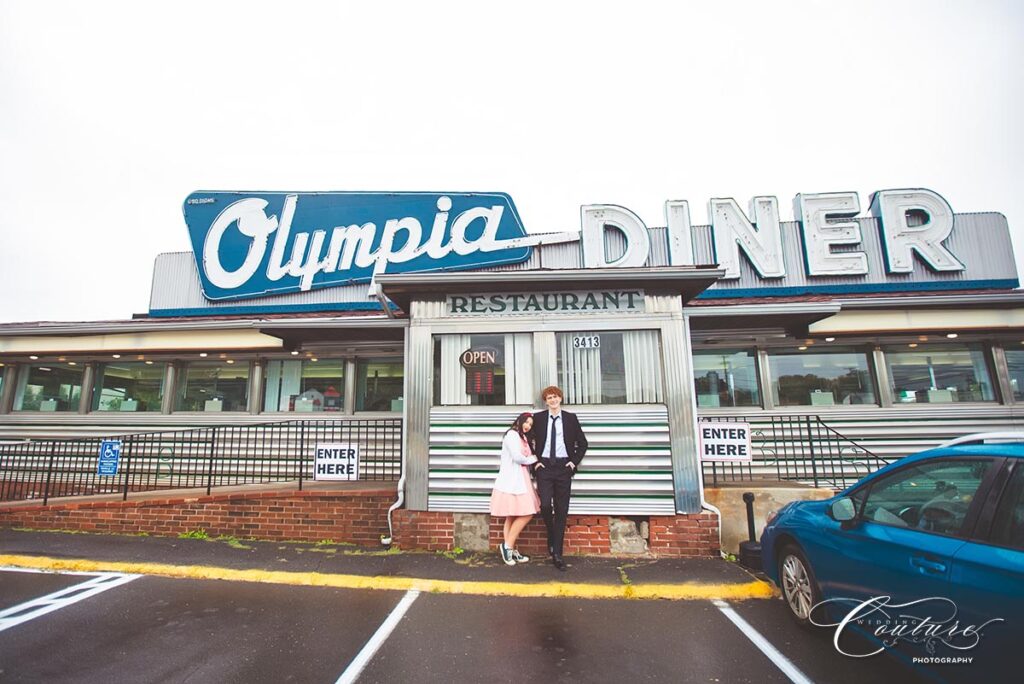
{"points": [[517, 426]]}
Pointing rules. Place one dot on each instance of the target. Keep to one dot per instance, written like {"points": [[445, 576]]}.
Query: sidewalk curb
{"points": [[673, 592]]}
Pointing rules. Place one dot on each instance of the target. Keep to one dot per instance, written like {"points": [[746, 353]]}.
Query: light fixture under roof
{"points": [[116, 356], [149, 363], [830, 339], [296, 353], [314, 360], [230, 361], [34, 357], [802, 348], [912, 345], [72, 363], [202, 355], [952, 336]]}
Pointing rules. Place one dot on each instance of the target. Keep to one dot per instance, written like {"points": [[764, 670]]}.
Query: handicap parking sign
{"points": [[110, 455]]}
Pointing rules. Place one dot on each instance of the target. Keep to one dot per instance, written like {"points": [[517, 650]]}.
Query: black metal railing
{"points": [[797, 448], [198, 457]]}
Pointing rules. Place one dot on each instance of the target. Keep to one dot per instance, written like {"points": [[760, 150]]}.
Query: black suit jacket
{"points": [[575, 441]]}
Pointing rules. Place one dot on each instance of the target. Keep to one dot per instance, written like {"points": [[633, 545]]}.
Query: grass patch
{"points": [[233, 542], [198, 533], [105, 534], [392, 551], [453, 554], [623, 575]]}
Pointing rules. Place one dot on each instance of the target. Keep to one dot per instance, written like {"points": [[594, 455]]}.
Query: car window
{"points": [[933, 496], [1008, 524]]}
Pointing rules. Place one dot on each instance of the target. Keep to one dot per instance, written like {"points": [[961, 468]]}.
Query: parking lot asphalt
{"points": [[156, 629], [108, 608]]}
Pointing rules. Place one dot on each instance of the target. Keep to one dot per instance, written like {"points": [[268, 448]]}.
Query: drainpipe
{"points": [[705, 505], [696, 419], [386, 541]]}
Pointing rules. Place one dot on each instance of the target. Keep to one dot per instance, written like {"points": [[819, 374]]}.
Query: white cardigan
{"points": [[510, 475]]}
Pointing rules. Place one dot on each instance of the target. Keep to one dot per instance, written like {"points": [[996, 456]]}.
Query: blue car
{"points": [[941, 530]]}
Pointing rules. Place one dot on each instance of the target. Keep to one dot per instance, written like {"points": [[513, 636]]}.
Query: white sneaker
{"points": [[519, 558], [506, 554]]}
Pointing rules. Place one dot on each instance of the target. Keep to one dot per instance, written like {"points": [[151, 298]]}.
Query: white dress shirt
{"points": [[560, 451]]}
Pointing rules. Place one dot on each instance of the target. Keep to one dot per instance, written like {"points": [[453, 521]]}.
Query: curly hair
{"points": [[551, 389]]}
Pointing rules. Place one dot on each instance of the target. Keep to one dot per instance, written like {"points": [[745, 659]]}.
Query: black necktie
{"points": [[554, 434]]}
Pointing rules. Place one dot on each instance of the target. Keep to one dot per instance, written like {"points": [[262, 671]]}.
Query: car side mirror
{"points": [[843, 510]]}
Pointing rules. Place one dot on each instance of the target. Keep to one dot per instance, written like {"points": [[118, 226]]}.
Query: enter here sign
{"points": [[336, 462], [722, 441]]}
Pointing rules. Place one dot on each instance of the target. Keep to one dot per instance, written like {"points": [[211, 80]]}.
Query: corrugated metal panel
{"points": [[659, 247], [980, 241], [176, 286], [627, 470]]}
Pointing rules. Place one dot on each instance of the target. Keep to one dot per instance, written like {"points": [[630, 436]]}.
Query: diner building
{"points": [[896, 328]]}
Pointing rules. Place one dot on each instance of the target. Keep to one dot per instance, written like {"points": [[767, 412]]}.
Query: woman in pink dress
{"points": [[514, 496]]}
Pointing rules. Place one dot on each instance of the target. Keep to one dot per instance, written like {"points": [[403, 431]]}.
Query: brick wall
{"points": [[673, 536], [355, 517], [684, 535]]}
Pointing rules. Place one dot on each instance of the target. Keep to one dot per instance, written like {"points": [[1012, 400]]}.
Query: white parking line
{"points": [[774, 655], [29, 610], [362, 659]]}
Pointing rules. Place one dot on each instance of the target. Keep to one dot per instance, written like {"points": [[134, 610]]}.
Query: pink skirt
{"points": [[506, 504]]}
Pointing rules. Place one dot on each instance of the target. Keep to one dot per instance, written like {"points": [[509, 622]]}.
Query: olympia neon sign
{"points": [[254, 244]]}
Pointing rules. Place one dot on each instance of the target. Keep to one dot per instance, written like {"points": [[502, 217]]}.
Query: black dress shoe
{"points": [[558, 563]]}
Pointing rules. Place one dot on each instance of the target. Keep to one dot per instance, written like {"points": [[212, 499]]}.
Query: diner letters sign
{"points": [[253, 244], [258, 243], [597, 301]]}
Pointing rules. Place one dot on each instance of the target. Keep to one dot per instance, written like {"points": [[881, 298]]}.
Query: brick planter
{"points": [[357, 517]]}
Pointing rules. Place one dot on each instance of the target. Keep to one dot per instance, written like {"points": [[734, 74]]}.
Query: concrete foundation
{"points": [[626, 537], [471, 531], [768, 496]]}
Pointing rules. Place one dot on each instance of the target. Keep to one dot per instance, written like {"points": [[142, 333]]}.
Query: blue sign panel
{"points": [[254, 244], [110, 456]]}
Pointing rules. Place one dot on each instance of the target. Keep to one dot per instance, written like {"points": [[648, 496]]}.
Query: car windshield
{"points": [[933, 495]]}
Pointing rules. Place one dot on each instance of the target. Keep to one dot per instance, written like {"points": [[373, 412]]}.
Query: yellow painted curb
{"points": [[673, 592]]}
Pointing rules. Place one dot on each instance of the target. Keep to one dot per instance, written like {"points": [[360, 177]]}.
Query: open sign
{"points": [[484, 356]]}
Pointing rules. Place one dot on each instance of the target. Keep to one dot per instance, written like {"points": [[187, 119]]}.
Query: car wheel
{"points": [[799, 587]]}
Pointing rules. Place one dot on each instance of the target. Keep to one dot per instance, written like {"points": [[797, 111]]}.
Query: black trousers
{"points": [[554, 486]]}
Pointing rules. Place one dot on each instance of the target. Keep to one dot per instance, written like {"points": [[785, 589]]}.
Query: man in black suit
{"points": [[560, 446]]}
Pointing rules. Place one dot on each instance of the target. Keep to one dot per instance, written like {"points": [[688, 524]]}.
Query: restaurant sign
{"points": [[597, 301]]}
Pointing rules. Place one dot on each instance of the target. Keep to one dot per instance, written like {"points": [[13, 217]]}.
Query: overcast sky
{"points": [[111, 113]]}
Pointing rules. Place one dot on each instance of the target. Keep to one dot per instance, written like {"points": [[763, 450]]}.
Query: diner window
{"points": [[51, 387], [305, 385], [379, 384], [483, 370], [821, 378], [609, 367], [1015, 364], [725, 377], [213, 386], [939, 374], [128, 387]]}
